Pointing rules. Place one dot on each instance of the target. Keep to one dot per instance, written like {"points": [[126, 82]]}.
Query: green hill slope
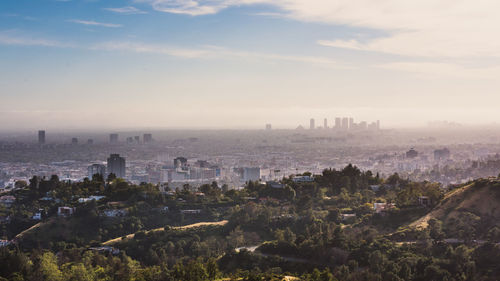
{"points": [[474, 207]]}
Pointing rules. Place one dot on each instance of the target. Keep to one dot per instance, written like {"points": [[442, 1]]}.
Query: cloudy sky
{"points": [[244, 63]]}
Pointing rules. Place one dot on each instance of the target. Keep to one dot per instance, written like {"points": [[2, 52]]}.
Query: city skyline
{"points": [[193, 64]]}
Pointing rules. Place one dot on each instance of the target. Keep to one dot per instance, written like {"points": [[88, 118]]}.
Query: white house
{"points": [[298, 179], [382, 207], [4, 243], [65, 211], [115, 213], [91, 198], [7, 200], [37, 216]]}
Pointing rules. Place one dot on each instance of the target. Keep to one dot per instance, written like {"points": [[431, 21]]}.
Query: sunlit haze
{"points": [[244, 63]]}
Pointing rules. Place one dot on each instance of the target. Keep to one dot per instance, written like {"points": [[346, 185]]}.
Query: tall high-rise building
{"points": [[147, 138], [113, 138], [378, 124], [96, 169], [269, 127], [116, 165], [325, 123], [250, 174], [137, 139], [74, 141], [351, 123], [311, 124], [180, 162], [338, 123], [345, 123], [41, 137], [441, 154]]}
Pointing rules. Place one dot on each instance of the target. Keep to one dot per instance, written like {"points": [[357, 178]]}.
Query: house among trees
{"points": [[424, 201], [91, 198], [382, 207], [348, 216], [38, 215], [7, 200], [191, 212], [106, 249], [111, 213], [275, 184], [298, 179], [65, 211]]}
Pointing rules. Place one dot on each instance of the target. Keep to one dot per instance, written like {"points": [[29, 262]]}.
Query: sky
{"points": [[244, 63]]}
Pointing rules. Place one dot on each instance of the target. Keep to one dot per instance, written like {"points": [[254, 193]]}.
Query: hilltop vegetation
{"points": [[468, 212], [323, 228]]}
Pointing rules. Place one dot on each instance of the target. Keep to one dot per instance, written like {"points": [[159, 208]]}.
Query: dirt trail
{"points": [[198, 224], [438, 211]]}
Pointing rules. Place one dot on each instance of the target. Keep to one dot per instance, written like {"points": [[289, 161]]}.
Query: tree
{"points": [[48, 268], [326, 275], [20, 184], [377, 261], [212, 269], [435, 273], [195, 271], [111, 177], [494, 234], [436, 229], [78, 272], [236, 237]]}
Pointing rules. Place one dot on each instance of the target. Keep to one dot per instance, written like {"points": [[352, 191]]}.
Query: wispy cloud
{"points": [[440, 69], [423, 69], [222, 52], [150, 48], [203, 52], [94, 23], [28, 18], [425, 28], [269, 14], [213, 52], [190, 7], [347, 44], [8, 38], [128, 10]]}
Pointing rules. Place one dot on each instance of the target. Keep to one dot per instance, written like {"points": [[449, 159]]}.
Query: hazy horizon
{"points": [[241, 64]]}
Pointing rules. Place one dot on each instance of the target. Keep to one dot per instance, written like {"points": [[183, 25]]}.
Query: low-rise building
{"points": [[115, 213], [275, 184], [424, 201], [191, 212], [382, 207], [7, 200], [65, 211], [106, 249], [91, 198], [348, 216], [298, 179], [37, 216]]}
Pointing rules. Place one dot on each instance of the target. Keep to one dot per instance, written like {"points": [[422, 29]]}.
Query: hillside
{"points": [[475, 205], [194, 225]]}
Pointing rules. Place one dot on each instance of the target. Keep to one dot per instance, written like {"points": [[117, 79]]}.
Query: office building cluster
{"points": [[113, 139], [194, 173], [115, 165], [248, 173], [345, 123], [146, 138]]}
